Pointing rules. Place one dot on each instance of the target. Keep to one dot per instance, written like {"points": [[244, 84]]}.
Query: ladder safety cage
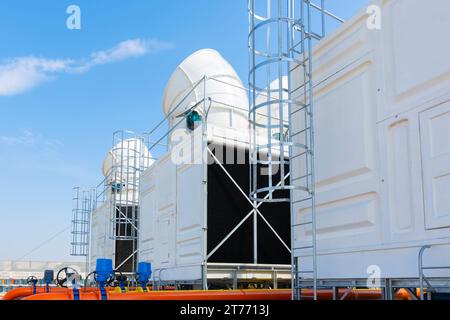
{"points": [[128, 158], [83, 201], [282, 34]]}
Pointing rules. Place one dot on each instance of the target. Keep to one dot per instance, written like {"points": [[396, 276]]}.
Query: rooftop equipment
{"points": [[381, 156], [198, 225], [368, 161], [281, 36], [122, 169], [114, 204]]}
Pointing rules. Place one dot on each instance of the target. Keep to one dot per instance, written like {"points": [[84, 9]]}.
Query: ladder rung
{"points": [[302, 177], [299, 155], [302, 86], [311, 35], [300, 132], [298, 110], [305, 247], [302, 224], [307, 271], [303, 200]]}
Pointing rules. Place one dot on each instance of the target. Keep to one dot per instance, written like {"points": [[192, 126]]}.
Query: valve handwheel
{"points": [[32, 280], [66, 275]]}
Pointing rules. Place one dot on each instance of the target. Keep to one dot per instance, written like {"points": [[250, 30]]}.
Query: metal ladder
{"points": [[83, 202], [126, 168], [281, 38], [422, 278], [304, 37], [302, 132]]}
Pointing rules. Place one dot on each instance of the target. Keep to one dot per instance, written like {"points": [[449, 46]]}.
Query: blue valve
{"points": [[103, 271], [33, 281], [144, 273], [49, 276]]}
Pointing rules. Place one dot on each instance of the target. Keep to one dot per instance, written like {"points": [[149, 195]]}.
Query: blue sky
{"points": [[64, 92]]}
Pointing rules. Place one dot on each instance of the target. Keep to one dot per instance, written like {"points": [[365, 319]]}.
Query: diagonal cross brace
{"points": [[255, 208]]}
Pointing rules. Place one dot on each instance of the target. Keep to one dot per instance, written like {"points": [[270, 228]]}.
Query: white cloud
{"points": [[26, 138], [127, 49], [23, 73], [31, 139], [32, 151]]}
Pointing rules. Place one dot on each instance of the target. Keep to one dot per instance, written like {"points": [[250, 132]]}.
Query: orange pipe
{"points": [[171, 295], [237, 295], [20, 293]]}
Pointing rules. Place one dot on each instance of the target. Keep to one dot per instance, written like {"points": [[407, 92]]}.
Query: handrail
{"points": [[422, 277]]}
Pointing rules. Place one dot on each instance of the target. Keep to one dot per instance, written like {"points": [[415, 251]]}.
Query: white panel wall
{"points": [[147, 219], [382, 121], [101, 244], [435, 127], [171, 231], [190, 214]]}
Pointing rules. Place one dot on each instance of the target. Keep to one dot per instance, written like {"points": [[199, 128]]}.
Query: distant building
{"points": [[15, 273]]}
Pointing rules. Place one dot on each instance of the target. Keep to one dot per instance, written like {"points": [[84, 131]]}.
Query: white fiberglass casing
{"points": [[382, 123], [102, 246], [228, 99], [123, 165], [132, 153]]}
